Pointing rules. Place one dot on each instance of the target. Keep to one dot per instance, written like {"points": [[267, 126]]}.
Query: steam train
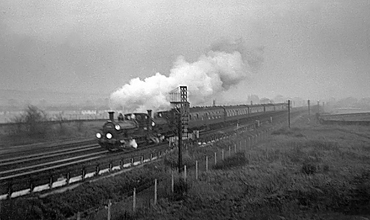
{"points": [[135, 129]]}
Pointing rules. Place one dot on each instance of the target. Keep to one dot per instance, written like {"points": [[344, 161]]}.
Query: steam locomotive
{"points": [[136, 129]]}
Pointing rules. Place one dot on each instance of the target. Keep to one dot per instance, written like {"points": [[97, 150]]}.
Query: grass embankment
{"points": [[306, 172]]}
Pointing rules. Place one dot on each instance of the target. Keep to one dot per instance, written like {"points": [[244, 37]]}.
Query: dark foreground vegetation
{"points": [[307, 172]]}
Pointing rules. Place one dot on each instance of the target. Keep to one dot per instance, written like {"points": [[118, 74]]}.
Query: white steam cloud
{"points": [[225, 65]]}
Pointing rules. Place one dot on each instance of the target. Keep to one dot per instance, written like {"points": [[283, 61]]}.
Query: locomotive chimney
{"points": [[149, 120], [111, 115]]}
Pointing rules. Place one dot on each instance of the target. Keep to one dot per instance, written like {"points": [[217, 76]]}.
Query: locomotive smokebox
{"points": [[111, 116]]}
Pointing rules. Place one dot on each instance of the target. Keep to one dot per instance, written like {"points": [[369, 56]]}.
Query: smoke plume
{"points": [[224, 65]]}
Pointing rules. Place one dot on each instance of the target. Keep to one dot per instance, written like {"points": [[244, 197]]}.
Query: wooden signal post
{"points": [[181, 104]]}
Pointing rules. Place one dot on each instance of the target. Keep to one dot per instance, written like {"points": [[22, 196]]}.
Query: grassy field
{"points": [[307, 172]]}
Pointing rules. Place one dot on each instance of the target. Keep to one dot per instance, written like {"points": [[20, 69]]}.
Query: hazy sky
{"points": [[312, 49]]}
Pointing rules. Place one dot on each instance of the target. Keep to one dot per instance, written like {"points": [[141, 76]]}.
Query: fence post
{"points": [[31, 188], [132, 162], [97, 169], [196, 170], [235, 147], [51, 181], [206, 163], [249, 142], [215, 158], [185, 173], [78, 215], [68, 177], [223, 154], [155, 191], [134, 200], [229, 151], [10, 191], [83, 173], [110, 166], [109, 206], [121, 163]]}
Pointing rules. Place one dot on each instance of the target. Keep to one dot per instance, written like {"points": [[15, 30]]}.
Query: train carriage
{"points": [[131, 130]]}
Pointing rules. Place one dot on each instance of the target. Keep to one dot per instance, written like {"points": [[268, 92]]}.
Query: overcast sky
{"points": [[312, 49]]}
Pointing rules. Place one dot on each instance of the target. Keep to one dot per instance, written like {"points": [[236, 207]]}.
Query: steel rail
{"points": [[2, 173], [33, 172], [48, 154]]}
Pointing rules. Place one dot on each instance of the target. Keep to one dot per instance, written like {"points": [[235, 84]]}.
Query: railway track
{"points": [[26, 172], [25, 150], [32, 159], [61, 166]]}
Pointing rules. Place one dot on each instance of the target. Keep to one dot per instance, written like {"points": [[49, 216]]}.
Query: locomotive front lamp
{"points": [[98, 135], [117, 127], [108, 135]]}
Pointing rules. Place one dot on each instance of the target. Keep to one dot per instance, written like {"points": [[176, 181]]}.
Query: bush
{"points": [[308, 168], [31, 122], [180, 190], [238, 159]]}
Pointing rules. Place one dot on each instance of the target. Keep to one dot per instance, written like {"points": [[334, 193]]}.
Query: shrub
{"points": [[308, 168], [238, 159], [180, 189], [32, 120]]}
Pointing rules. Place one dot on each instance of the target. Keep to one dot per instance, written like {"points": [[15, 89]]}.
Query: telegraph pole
{"points": [[318, 106], [288, 113], [179, 131], [309, 110]]}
